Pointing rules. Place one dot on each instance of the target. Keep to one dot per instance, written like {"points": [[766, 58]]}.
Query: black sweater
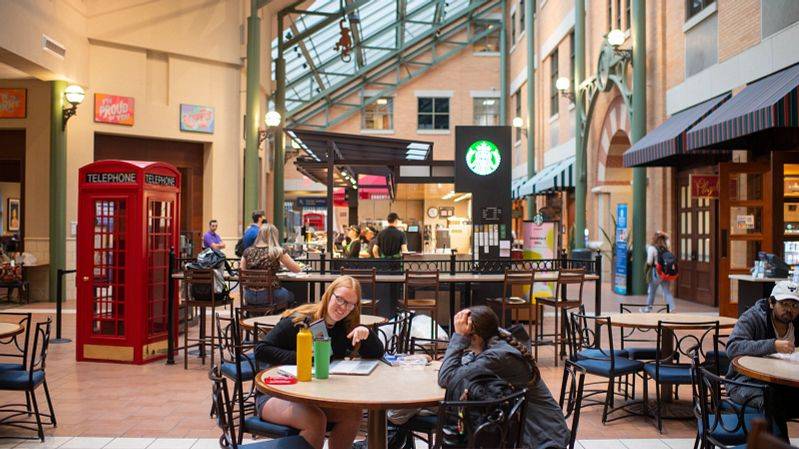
{"points": [[279, 346]]}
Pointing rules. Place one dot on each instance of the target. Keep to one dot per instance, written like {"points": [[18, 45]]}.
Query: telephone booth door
{"points": [[160, 225]]}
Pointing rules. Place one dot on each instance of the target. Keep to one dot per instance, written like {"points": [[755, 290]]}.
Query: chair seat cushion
{"points": [[674, 374], [603, 368], [723, 431], [11, 367], [229, 371], [292, 442], [598, 354], [257, 426], [19, 380]]}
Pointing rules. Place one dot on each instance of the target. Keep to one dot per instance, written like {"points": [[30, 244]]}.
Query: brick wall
{"points": [[739, 26]]}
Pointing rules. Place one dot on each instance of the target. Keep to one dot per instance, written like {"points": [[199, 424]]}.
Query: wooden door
{"points": [[745, 225], [185, 156], [694, 245], [12, 171]]}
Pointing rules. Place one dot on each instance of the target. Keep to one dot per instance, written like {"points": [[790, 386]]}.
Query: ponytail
{"points": [[508, 337]]}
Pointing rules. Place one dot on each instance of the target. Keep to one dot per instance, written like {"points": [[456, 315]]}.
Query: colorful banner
{"points": [[198, 119], [13, 103], [114, 109], [540, 242], [620, 256], [704, 186]]}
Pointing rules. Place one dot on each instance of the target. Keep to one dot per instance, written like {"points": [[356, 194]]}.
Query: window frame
{"points": [[521, 17], [433, 114], [554, 95], [389, 105], [493, 114], [517, 109], [688, 8]]}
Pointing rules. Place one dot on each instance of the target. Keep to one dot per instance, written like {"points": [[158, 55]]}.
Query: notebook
{"points": [[789, 357], [340, 367]]}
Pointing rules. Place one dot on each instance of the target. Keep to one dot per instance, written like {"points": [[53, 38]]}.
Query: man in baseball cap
{"points": [[769, 326]]}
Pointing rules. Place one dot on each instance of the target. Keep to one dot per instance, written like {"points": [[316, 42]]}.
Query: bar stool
{"points": [[201, 281], [560, 302], [366, 277], [521, 278], [427, 280]]}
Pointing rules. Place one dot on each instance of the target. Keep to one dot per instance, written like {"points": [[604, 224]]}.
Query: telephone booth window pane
{"points": [[160, 216], [109, 267]]}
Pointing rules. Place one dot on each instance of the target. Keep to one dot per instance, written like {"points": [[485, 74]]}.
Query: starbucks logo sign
{"points": [[483, 157]]}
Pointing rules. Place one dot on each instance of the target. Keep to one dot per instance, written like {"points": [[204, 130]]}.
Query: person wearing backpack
{"points": [[661, 266], [480, 349]]}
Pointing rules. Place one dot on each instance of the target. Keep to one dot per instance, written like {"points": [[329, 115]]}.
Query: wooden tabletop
{"points": [[769, 369], [269, 321], [386, 388], [650, 320], [10, 329], [442, 277]]}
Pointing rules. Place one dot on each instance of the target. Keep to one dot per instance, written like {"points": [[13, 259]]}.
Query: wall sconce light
{"points": [[615, 38], [272, 120], [563, 84], [74, 95], [518, 123]]}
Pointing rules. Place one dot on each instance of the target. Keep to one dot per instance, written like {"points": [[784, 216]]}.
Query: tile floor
{"points": [[157, 406]]}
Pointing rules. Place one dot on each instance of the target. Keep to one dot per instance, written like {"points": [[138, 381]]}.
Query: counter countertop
{"points": [[750, 278]]}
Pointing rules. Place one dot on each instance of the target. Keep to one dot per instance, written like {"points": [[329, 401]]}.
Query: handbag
{"points": [[10, 273]]}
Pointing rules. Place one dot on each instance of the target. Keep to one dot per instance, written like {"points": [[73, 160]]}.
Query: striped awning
{"points": [[554, 177], [514, 187], [665, 145], [765, 114]]}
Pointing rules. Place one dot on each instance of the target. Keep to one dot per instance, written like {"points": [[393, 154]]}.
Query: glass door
{"points": [[160, 231], [745, 225], [108, 272]]}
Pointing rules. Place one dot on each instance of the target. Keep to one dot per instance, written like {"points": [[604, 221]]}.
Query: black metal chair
{"points": [[666, 368], [637, 335], [28, 380], [585, 335], [14, 352], [224, 418], [502, 427], [396, 332], [571, 397]]}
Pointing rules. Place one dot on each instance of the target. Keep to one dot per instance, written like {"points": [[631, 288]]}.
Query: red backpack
{"points": [[666, 265]]}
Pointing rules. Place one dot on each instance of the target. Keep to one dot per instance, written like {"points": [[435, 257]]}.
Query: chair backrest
{"points": [[501, 424], [38, 352], [715, 403], [760, 438], [199, 284], [522, 278], [222, 409], [427, 280], [686, 339], [257, 279], [229, 337], [435, 348], [635, 334], [367, 277], [571, 397], [567, 277], [399, 341], [588, 332], [16, 347]]}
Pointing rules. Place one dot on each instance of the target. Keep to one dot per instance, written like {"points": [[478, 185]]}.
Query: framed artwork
{"points": [[13, 215], [196, 118], [13, 102], [114, 109]]}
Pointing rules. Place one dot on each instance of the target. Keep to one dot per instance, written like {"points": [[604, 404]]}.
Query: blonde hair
{"points": [[267, 236], [659, 240], [317, 311]]}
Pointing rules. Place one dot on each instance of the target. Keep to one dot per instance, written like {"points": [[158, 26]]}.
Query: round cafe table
{"points": [[270, 321], [769, 369], [10, 329], [387, 387], [682, 321]]}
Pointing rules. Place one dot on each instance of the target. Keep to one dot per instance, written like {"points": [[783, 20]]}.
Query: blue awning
{"points": [[552, 178]]}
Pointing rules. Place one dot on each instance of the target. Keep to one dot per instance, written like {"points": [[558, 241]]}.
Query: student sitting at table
{"points": [[340, 307], [770, 326], [479, 344], [267, 254]]}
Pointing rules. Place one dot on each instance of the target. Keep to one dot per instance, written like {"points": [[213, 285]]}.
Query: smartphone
{"points": [[319, 329]]}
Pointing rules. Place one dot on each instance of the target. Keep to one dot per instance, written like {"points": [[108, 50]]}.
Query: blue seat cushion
{"points": [[19, 380], [603, 368], [642, 353], [599, 354], [257, 426], [724, 360], [11, 367], [247, 363], [292, 442], [723, 431], [673, 374]]}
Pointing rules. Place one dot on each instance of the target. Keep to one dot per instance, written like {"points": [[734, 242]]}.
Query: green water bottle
{"points": [[321, 358]]}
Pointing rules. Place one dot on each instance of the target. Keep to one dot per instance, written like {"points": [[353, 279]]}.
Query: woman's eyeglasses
{"points": [[341, 302]]}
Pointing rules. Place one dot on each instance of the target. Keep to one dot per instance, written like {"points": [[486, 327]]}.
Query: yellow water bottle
{"points": [[304, 354]]}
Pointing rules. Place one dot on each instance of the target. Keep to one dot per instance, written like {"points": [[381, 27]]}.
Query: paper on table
{"points": [[794, 358]]}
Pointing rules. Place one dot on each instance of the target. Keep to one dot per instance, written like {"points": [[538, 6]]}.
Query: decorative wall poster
{"points": [[704, 186], [540, 242], [114, 109], [13, 214], [13, 103], [196, 118], [620, 257]]}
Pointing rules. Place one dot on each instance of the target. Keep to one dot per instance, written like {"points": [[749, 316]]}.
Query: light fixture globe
{"points": [[74, 94], [616, 37], [562, 84], [272, 119], [518, 122]]}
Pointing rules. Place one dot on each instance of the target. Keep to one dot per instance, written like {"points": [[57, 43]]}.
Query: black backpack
{"points": [[667, 265], [473, 385], [240, 247]]}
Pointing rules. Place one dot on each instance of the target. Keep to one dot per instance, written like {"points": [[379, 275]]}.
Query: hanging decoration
{"points": [[344, 44]]}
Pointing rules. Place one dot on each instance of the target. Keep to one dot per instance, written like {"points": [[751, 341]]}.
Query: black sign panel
{"points": [[483, 167]]}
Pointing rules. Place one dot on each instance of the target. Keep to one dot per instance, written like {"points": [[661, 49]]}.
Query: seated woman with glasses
{"points": [[480, 344], [340, 307], [267, 254]]}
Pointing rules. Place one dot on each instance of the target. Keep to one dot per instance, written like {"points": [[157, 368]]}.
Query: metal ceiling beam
{"points": [[355, 29], [402, 8], [438, 16], [334, 17], [308, 58]]}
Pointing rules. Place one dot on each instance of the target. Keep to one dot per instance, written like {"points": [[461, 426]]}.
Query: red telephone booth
{"points": [[128, 215]]}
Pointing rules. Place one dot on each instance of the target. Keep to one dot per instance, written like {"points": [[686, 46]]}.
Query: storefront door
{"points": [[696, 218], [745, 225]]}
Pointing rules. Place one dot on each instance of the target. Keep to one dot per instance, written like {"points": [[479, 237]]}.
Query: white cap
{"points": [[785, 290]]}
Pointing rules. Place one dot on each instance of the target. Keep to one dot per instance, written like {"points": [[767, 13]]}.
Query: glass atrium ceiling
{"points": [[313, 65]]}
